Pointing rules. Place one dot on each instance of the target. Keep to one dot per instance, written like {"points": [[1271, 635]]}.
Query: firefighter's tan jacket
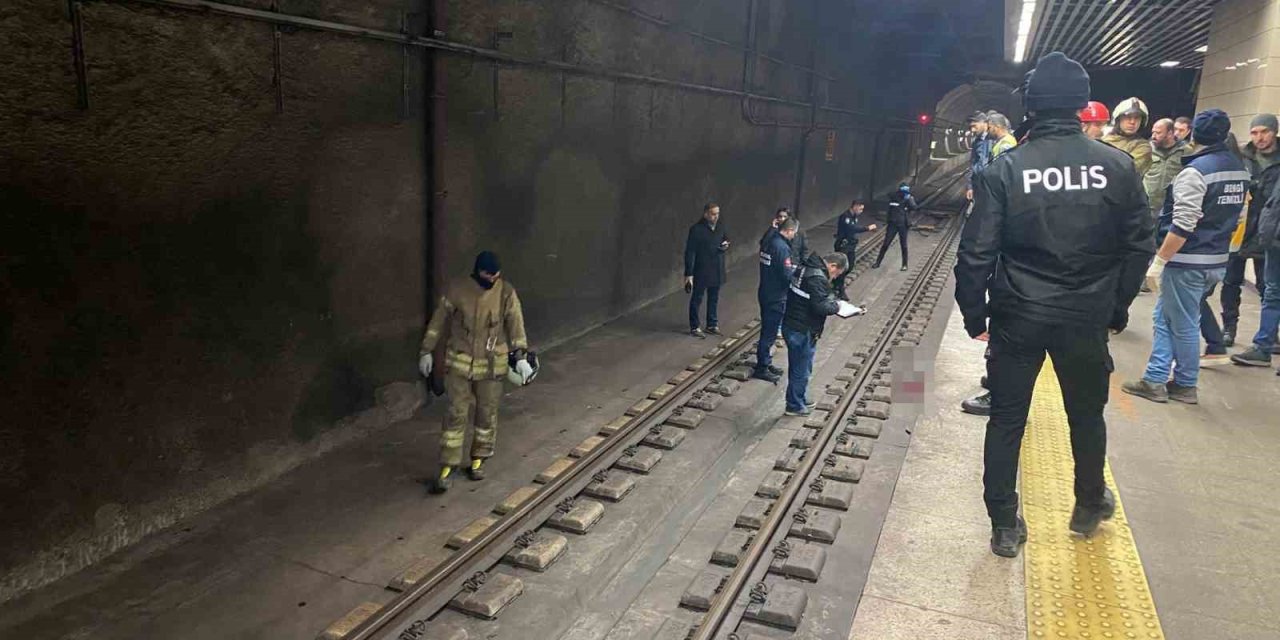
{"points": [[480, 327]]}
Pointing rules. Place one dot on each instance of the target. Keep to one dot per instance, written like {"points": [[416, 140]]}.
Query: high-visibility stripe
{"points": [[1226, 176], [796, 290], [1200, 259]]}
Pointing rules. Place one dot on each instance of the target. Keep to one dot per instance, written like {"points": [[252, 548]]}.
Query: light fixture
{"points": [[1024, 31], [1204, 48], [1170, 63]]}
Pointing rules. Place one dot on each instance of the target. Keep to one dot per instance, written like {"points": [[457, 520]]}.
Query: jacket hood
{"points": [[814, 260], [1201, 152]]}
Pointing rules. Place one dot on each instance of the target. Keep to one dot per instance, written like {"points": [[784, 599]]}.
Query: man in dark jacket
{"points": [[1201, 211], [809, 302], [1059, 239], [901, 204], [847, 230], [775, 277], [704, 271], [980, 152], [1262, 159]]}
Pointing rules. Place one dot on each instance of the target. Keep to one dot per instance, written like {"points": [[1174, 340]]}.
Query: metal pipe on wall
{"points": [[436, 228]]}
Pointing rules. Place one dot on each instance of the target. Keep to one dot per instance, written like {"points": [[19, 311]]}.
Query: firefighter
{"points": [[482, 325], [1130, 119], [1093, 119]]}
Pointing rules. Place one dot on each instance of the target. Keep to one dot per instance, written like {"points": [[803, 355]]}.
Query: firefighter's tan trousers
{"points": [[467, 398]]}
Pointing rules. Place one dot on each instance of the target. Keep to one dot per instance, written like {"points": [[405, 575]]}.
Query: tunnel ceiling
{"points": [[1112, 33]]}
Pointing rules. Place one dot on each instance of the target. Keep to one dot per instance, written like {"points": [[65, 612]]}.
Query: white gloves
{"points": [[424, 364], [846, 310], [1154, 273], [521, 373]]}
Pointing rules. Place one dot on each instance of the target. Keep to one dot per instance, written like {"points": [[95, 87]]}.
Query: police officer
{"points": [[809, 302], [1059, 238], [775, 277], [482, 324], [847, 230], [901, 204]]}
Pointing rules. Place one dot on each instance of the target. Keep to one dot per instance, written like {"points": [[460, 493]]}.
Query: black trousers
{"points": [[1231, 284], [842, 284], [891, 230], [1083, 365]]}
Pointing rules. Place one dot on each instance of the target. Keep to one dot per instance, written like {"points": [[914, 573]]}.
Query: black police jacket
{"points": [[703, 255], [900, 207], [1059, 234], [810, 299], [847, 230]]}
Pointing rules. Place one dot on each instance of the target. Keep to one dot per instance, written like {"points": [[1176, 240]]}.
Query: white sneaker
{"points": [[1214, 360]]}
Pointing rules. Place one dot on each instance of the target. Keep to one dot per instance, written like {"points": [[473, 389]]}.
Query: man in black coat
{"points": [[901, 204], [704, 271], [847, 229], [1050, 259]]}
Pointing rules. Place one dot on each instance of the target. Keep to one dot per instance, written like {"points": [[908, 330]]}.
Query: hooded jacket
{"points": [[1166, 164], [480, 327], [809, 298], [1060, 234], [901, 204], [1138, 147], [1203, 205]]}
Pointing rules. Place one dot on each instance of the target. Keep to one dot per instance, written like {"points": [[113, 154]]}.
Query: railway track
{"points": [[571, 495]]}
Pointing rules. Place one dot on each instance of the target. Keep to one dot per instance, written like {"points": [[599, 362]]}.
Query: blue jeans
{"points": [[1176, 344], [1266, 336], [770, 323], [800, 348], [713, 300]]}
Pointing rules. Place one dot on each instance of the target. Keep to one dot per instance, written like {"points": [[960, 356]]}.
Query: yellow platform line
{"points": [[1094, 588]]}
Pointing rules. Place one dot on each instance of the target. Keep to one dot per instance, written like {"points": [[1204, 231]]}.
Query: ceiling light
{"points": [[1024, 30], [1170, 63], [1202, 49]]}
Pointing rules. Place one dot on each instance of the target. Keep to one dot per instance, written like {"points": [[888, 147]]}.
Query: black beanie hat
{"points": [[487, 262], [1210, 127], [1058, 82]]}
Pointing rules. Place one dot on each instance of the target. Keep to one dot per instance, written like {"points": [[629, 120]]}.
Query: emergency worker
{"points": [[1059, 239], [998, 126], [1130, 119], [847, 230], [809, 301], [901, 204], [1200, 214], [775, 278], [1262, 159], [1093, 119], [480, 320], [980, 152]]}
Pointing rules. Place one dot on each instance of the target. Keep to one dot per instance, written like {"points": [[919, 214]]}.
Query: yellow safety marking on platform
{"points": [[1077, 588]]}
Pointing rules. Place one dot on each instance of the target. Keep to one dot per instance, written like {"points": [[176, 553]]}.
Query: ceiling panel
{"points": [[1121, 33]]}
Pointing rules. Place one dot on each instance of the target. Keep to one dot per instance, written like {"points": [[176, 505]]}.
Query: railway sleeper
{"points": [[818, 525], [536, 550], [777, 604], [485, 595], [830, 493], [665, 437], [639, 459], [576, 516], [729, 552], [704, 400], [798, 559], [610, 486], [773, 484]]}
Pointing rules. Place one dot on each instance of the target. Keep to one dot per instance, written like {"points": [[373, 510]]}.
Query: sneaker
{"points": [[876, 265], [1182, 394], [1145, 288], [904, 268], [777, 371], [715, 331], [799, 413], [810, 405], [1229, 337], [697, 333], [1254, 357], [979, 405], [442, 481], [1214, 359], [1005, 540], [766, 375], [476, 470], [1085, 519], [1149, 390]]}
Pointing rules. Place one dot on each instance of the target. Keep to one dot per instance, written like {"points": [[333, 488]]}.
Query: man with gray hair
{"points": [[999, 127]]}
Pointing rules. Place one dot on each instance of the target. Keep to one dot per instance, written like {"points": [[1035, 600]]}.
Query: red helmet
{"points": [[1095, 112]]}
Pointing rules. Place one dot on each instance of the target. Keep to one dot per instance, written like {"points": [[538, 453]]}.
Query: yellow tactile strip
{"points": [[1089, 588]]}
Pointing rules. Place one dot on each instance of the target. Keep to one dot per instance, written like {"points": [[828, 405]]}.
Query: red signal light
{"points": [[925, 118]]}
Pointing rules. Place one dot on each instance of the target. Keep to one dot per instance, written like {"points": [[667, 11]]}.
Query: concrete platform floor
{"points": [[1199, 485]]}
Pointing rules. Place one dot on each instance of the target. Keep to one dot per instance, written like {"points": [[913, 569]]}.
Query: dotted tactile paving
{"points": [[1091, 588]]}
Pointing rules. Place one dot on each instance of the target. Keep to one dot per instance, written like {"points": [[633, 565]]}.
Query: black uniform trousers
{"points": [[1233, 281], [894, 229], [1083, 366], [850, 249]]}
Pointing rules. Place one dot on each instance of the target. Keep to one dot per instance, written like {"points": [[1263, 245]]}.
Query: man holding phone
{"points": [[704, 268]]}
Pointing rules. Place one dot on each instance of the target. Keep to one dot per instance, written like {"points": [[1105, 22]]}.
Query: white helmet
{"points": [[1131, 107]]}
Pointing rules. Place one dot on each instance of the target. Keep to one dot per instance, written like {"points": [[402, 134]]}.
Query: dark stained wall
{"points": [[198, 285]]}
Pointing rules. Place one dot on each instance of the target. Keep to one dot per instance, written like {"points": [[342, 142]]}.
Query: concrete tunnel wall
{"points": [[202, 290]]}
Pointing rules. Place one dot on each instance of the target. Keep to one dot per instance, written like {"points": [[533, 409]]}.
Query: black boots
{"points": [[979, 405], [1006, 540], [1085, 519], [442, 481]]}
